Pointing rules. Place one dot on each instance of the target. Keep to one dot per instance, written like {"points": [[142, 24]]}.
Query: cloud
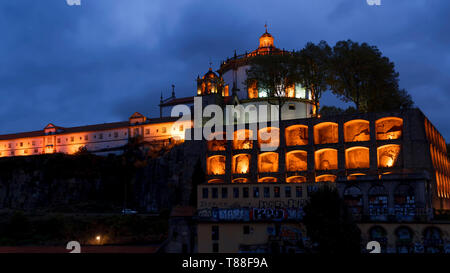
{"points": [[105, 59]]}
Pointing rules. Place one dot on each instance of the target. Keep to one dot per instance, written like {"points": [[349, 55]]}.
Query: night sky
{"points": [[104, 60]]}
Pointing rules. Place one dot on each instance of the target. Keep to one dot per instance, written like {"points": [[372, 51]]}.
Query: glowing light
{"points": [[389, 128]]}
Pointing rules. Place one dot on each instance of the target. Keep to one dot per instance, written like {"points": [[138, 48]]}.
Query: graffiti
{"points": [[232, 214], [288, 233], [259, 214], [290, 203], [250, 214]]}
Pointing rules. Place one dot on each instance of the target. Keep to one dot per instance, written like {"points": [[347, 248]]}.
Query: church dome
{"points": [[266, 40], [210, 74]]}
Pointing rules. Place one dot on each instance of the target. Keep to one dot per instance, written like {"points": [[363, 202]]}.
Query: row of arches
{"points": [[297, 135], [296, 160], [431, 239], [404, 201], [270, 179]]}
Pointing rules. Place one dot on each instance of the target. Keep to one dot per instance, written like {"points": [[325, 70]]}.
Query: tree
{"points": [[333, 110], [359, 73], [198, 177], [272, 74], [312, 69], [329, 223]]}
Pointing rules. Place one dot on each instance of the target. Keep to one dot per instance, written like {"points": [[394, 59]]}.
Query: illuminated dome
{"points": [[210, 74], [266, 40]]}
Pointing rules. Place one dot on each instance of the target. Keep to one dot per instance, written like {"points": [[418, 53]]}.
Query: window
{"points": [[298, 191], [215, 233], [33, 143], [116, 134], [205, 193], [255, 192], [21, 144], [276, 192], [224, 192], [100, 136], [236, 192], [215, 193], [9, 145], [291, 106], [287, 192], [266, 192], [86, 137], [58, 140], [36, 151], [72, 139], [147, 131], [245, 192], [215, 247], [181, 128], [163, 130]]}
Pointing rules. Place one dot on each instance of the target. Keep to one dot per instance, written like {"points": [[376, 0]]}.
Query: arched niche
{"points": [[356, 130], [326, 159], [388, 155], [296, 135], [296, 179], [215, 181], [240, 180], [268, 162], [216, 165], [326, 178], [217, 142], [357, 158], [269, 137], [326, 132], [389, 128], [296, 161], [242, 139], [241, 163], [267, 180]]}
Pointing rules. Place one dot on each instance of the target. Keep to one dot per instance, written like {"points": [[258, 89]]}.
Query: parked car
{"points": [[129, 211]]}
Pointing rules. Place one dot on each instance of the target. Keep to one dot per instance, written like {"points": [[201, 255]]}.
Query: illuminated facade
{"points": [[101, 139], [390, 168]]}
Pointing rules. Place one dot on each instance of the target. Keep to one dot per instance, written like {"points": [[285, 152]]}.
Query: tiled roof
{"points": [[86, 128]]}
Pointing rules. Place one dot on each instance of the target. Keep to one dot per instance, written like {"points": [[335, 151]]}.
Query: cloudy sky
{"points": [[103, 60]]}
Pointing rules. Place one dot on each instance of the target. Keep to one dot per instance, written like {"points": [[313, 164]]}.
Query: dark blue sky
{"points": [[103, 60]]}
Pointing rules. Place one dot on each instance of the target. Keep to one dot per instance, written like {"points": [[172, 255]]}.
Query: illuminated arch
{"points": [[326, 132], [242, 139], [357, 158], [389, 128], [296, 161], [216, 165], [326, 159], [356, 130], [240, 180], [296, 179], [268, 162], [267, 180], [215, 181], [215, 144], [269, 137], [388, 155], [326, 178], [241, 163], [296, 135], [353, 176]]}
